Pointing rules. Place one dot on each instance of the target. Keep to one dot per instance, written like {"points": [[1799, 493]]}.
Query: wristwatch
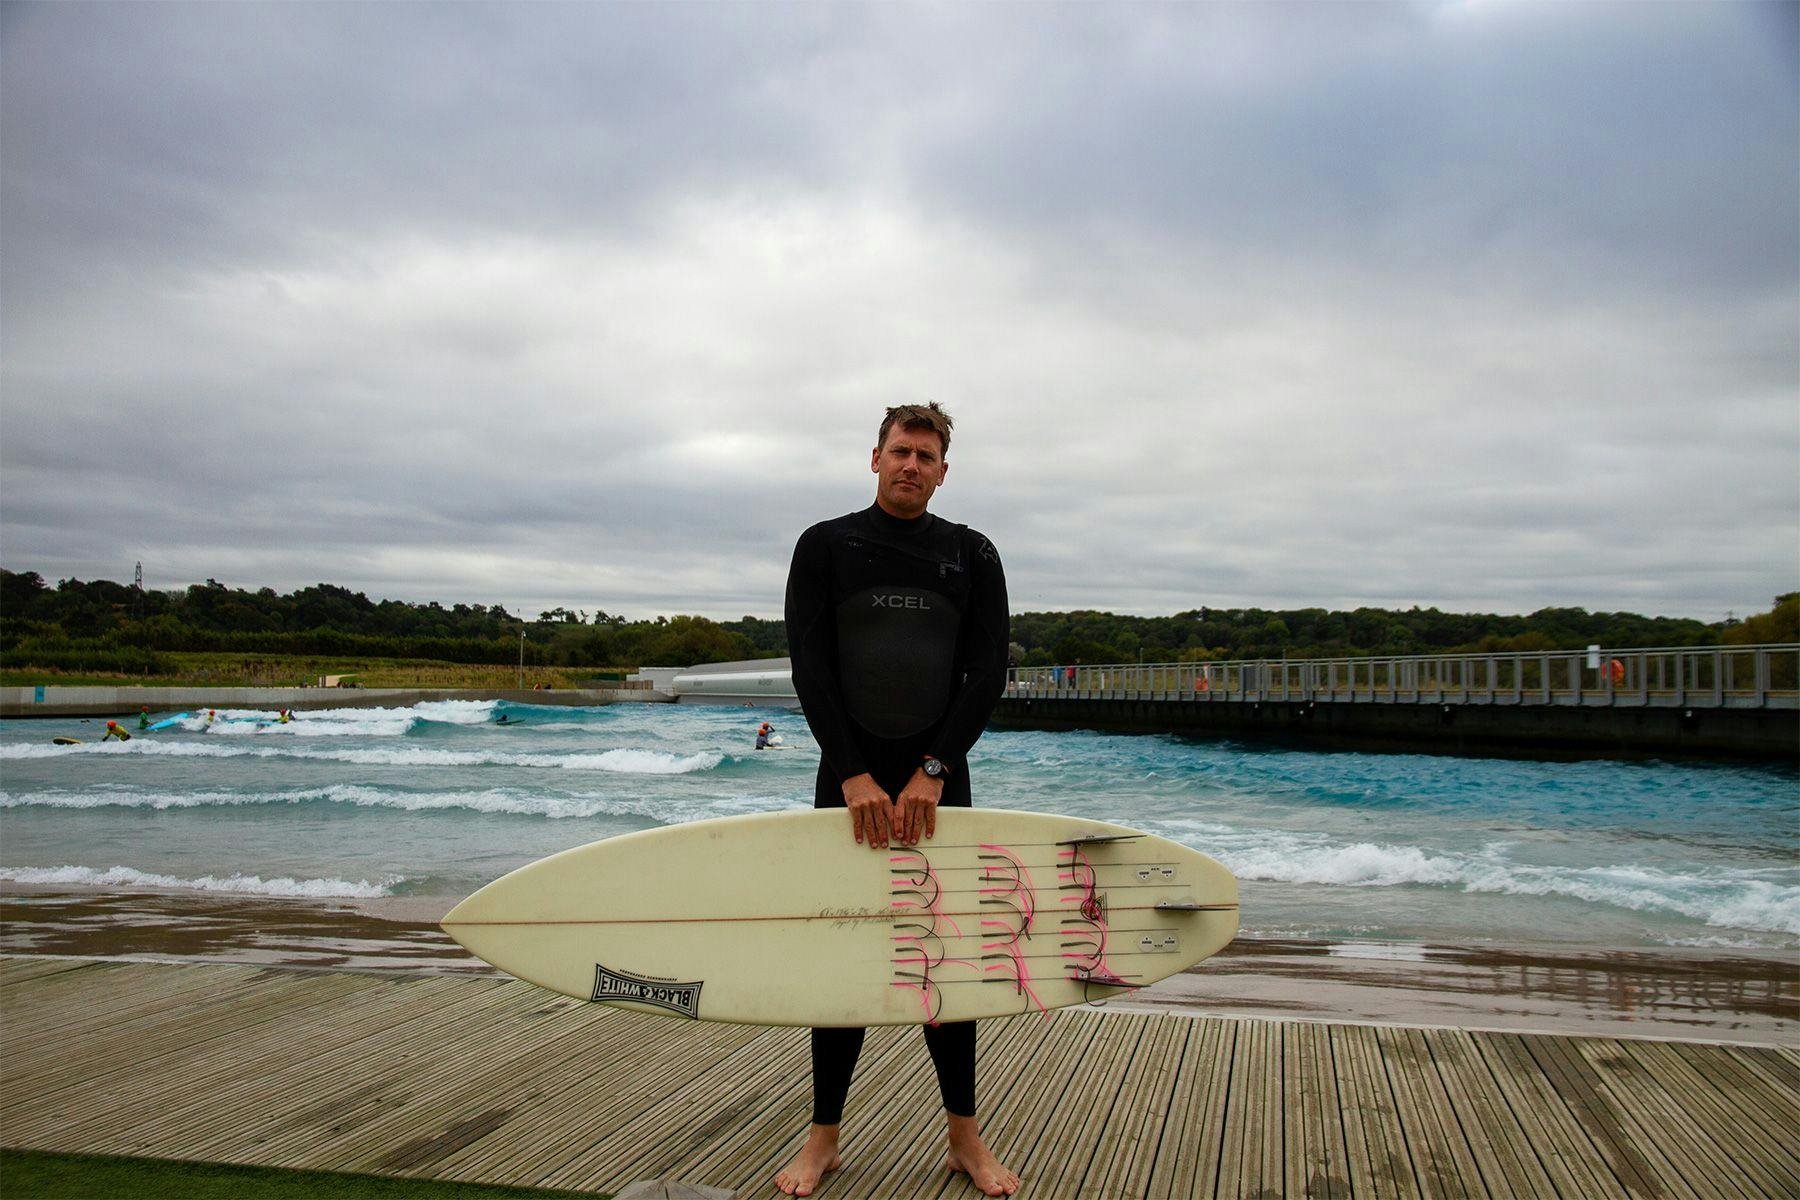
{"points": [[935, 768]]}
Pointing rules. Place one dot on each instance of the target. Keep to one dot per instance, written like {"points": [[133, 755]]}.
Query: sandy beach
{"points": [[1725, 995]]}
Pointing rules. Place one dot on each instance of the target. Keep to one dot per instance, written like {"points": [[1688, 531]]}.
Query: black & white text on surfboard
{"points": [[682, 998]]}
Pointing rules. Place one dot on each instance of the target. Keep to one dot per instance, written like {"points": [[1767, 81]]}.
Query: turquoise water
{"points": [[436, 800]]}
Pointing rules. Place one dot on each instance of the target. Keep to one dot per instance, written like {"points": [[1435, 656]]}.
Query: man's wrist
{"points": [[935, 768], [935, 782]]}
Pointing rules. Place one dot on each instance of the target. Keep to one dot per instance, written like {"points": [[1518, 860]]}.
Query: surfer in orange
{"points": [[897, 625]]}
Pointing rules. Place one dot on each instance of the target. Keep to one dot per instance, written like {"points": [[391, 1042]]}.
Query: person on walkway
{"points": [[897, 624]]}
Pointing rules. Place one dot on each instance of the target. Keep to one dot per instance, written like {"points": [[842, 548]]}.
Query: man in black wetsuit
{"points": [[897, 625]]}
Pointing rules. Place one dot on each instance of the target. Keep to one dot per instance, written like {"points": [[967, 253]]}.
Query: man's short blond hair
{"points": [[917, 416]]}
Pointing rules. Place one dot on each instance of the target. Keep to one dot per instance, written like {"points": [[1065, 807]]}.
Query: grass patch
{"points": [[31, 1174]]}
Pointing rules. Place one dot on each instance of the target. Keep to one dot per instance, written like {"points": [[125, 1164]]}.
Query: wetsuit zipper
{"points": [[944, 565]]}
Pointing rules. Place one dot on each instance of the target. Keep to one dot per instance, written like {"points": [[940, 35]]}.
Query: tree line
{"points": [[103, 626]]}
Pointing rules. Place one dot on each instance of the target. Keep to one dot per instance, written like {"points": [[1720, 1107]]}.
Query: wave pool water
{"points": [[437, 799]]}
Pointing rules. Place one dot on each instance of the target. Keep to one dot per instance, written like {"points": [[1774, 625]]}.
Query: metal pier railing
{"points": [[1756, 677]]}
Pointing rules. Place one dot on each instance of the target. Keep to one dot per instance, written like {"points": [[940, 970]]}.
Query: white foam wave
{"points": [[342, 722], [453, 712], [397, 726], [249, 885], [621, 761], [664, 810], [1729, 899]]}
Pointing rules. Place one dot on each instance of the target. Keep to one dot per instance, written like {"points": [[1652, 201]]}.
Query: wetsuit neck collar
{"points": [[886, 522]]}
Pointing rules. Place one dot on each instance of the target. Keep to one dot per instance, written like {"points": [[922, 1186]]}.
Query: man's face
{"points": [[911, 467]]}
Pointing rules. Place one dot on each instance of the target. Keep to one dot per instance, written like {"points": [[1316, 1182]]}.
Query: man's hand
{"points": [[871, 811], [915, 813]]}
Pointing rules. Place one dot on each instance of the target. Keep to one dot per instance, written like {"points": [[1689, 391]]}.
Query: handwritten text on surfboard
{"points": [[683, 998]]}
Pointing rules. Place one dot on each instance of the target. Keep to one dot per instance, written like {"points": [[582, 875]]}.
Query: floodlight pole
{"points": [[521, 658]]}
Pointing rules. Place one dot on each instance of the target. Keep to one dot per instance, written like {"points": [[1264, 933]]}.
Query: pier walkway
{"points": [[494, 1080], [1693, 677], [1735, 701]]}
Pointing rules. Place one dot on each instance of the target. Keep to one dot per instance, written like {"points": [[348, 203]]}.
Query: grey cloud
{"points": [[1462, 304]]}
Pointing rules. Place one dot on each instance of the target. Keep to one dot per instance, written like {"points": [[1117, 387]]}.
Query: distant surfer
{"points": [[503, 719], [762, 736], [143, 718], [284, 718], [115, 730], [897, 623]]}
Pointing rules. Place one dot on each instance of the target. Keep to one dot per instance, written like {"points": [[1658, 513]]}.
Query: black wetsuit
{"points": [[898, 633]]}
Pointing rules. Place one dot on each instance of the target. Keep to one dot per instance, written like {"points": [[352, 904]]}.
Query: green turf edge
{"points": [[31, 1174]]}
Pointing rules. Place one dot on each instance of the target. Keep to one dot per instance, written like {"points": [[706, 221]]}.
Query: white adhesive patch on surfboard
{"points": [[782, 919]]}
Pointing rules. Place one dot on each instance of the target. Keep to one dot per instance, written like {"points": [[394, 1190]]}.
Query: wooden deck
{"points": [[493, 1080]]}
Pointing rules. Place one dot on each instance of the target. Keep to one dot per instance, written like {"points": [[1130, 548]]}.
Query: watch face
{"points": [[933, 767]]}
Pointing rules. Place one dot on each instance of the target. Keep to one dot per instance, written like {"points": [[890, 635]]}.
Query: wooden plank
{"points": [[679, 1093], [631, 1063], [893, 1139], [483, 1079], [1773, 1064], [1377, 1161], [1640, 1161], [889, 1063], [530, 1056], [1047, 1057], [108, 1096], [180, 1021], [1188, 1157], [1032, 1078], [1501, 1148], [913, 1157], [221, 1075], [123, 1004], [1661, 1118], [1250, 1161], [1313, 1153], [1093, 1090], [17, 968], [743, 1081], [247, 1105], [1766, 1157], [1749, 1090], [108, 994], [1134, 1123], [693, 1075], [756, 1144], [1571, 1161], [1440, 1154]]}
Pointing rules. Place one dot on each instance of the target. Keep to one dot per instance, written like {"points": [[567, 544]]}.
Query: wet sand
{"points": [[1692, 994]]}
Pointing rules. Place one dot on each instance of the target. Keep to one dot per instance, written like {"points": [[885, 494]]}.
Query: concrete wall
{"points": [[114, 701], [1521, 730]]}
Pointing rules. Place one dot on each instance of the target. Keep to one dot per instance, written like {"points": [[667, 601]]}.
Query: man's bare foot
{"points": [[819, 1155], [969, 1154]]}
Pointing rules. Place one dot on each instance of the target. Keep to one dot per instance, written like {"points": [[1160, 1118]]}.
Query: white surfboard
{"points": [[782, 919]]}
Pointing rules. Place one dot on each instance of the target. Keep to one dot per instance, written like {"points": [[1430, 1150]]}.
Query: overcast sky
{"points": [[1480, 305]]}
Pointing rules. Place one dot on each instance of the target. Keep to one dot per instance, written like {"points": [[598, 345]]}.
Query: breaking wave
{"points": [[341, 722], [664, 810], [622, 761], [1747, 899], [247, 885]]}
